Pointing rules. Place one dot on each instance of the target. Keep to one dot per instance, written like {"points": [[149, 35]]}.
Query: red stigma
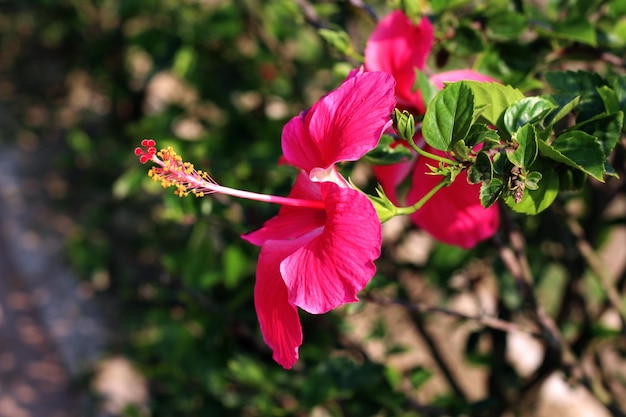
{"points": [[146, 150]]}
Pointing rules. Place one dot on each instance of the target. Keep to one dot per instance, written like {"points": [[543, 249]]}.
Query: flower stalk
{"points": [[415, 207], [432, 156]]}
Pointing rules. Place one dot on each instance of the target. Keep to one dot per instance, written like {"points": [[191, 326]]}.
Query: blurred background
{"points": [[119, 298]]}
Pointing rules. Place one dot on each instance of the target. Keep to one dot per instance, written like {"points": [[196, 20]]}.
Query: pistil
{"points": [[172, 171]]}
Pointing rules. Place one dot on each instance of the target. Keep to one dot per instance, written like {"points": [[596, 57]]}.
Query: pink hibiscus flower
{"points": [[319, 251], [399, 47], [318, 259], [315, 259], [454, 215]]}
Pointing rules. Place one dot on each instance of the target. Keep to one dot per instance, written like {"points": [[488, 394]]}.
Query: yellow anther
{"points": [[172, 171]]}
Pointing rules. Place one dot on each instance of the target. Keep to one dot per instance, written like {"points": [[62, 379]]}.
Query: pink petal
{"points": [[399, 47], [334, 266], [298, 149], [278, 318], [439, 79], [343, 125], [292, 222], [329, 174], [454, 214], [457, 75]]}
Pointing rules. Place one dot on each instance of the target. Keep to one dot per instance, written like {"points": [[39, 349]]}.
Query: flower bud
{"points": [[405, 124]]}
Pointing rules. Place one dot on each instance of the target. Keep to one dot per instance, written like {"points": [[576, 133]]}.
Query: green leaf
{"points": [[419, 376], [490, 192], [449, 116], [609, 98], [580, 83], [578, 29], [425, 87], [481, 133], [184, 61], [496, 97], [389, 151], [506, 25], [80, 142], [528, 110], [340, 40], [601, 331], [579, 150], [532, 180], [570, 82], [393, 376], [617, 37], [584, 7], [466, 41], [617, 8], [481, 170], [565, 103], [535, 201], [501, 165], [618, 84], [511, 63], [439, 6], [526, 140], [461, 151], [413, 9], [606, 128]]}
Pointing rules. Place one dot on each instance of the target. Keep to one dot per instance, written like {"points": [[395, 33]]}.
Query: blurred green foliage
{"points": [[217, 80]]}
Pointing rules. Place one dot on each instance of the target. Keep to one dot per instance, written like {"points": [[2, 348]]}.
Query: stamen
{"points": [[172, 171]]}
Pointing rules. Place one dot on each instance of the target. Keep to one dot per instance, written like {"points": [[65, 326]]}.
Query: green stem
{"points": [[430, 155], [445, 181]]}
